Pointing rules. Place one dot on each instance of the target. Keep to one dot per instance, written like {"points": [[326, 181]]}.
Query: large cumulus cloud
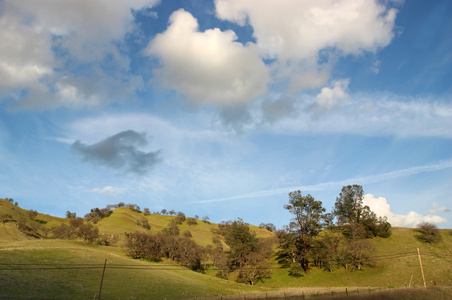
{"points": [[208, 67], [55, 53], [381, 207]]}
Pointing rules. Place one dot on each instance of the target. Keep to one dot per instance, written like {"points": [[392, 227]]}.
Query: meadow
{"points": [[33, 267]]}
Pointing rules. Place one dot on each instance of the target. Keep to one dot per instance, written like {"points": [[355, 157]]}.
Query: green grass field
{"points": [[49, 268]]}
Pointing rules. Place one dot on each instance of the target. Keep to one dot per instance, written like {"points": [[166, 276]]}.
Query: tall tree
{"points": [[354, 216], [309, 219], [349, 205], [247, 253], [240, 239]]}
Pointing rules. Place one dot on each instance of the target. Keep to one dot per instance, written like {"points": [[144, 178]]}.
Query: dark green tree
{"points": [[309, 219], [356, 219], [349, 205], [240, 239]]}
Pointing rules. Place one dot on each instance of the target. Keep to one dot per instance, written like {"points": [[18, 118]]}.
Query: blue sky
{"points": [[221, 108]]}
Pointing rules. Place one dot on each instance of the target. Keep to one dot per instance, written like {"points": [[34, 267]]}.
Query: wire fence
{"points": [[292, 293]]}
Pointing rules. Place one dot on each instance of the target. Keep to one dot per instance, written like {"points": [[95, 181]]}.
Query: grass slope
{"points": [[72, 269], [123, 220], [398, 264]]}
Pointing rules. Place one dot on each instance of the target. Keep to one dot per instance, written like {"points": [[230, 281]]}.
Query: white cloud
{"points": [[307, 80], [305, 36], [208, 67], [25, 55], [328, 98], [109, 190], [39, 38], [381, 207], [298, 30]]}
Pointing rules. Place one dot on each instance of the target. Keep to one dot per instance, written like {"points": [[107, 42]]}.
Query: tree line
{"points": [[242, 256]]}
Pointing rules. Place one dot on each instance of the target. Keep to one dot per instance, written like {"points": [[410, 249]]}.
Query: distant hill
{"points": [[33, 266]]}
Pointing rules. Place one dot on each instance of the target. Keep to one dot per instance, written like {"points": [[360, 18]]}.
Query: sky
{"points": [[221, 108]]}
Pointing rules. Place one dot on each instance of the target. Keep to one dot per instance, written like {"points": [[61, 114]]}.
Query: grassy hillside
{"points": [[124, 220], [397, 265], [15, 216], [37, 267], [73, 270]]}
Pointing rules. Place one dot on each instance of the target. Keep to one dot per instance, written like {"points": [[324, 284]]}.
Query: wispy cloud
{"points": [[337, 184]]}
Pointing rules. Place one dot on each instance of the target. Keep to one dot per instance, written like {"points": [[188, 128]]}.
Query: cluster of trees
{"points": [[247, 255], [77, 228], [313, 237], [11, 200], [161, 245], [166, 244], [172, 212]]}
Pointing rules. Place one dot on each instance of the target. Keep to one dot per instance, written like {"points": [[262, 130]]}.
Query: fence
{"points": [[324, 293]]}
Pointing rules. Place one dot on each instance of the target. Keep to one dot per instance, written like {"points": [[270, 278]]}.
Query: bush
{"points": [[192, 221], [180, 218], [172, 229], [105, 240], [6, 218], [144, 223], [429, 233], [32, 214]]}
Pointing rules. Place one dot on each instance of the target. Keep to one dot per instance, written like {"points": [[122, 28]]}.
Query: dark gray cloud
{"points": [[235, 117], [276, 110], [120, 151]]}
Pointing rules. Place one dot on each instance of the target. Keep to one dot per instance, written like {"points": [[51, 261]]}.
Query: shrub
{"points": [[180, 218], [429, 233], [6, 218], [172, 229], [144, 223], [32, 214], [192, 221]]}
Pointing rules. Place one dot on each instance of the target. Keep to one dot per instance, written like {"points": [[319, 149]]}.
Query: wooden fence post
{"points": [[422, 269]]}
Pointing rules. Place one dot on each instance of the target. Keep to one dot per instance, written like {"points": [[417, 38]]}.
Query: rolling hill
{"points": [[32, 266]]}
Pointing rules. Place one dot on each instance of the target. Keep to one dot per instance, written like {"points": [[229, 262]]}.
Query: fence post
{"points": [[346, 292]]}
